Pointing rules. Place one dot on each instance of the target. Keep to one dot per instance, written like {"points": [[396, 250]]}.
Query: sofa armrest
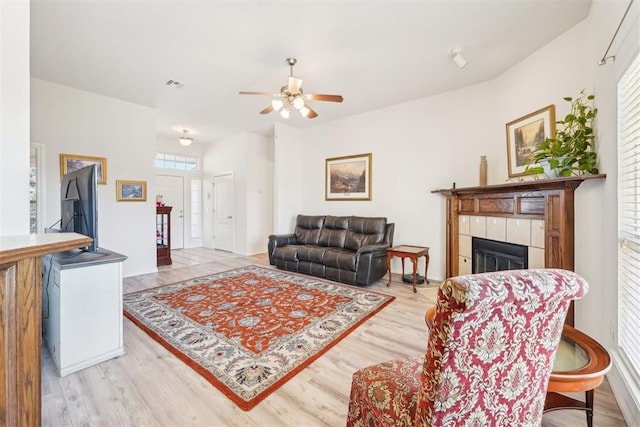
{"points": [[279, 240], [380, 247], [372, 263]]}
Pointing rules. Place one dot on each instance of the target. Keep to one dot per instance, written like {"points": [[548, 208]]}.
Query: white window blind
{"points": [[629, 215]]}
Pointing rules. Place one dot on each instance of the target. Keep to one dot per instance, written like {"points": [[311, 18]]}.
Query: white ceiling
{"points": [[374, 53]]}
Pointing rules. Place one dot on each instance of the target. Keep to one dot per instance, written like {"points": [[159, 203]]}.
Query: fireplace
{"points": [[491, 255], [548, 202]]}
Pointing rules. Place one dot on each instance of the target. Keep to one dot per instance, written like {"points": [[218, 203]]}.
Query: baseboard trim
{"points": [[625, 388]]}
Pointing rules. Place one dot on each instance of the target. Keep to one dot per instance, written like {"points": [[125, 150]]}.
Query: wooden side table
{"points": [[580, 365], [413, 253]]}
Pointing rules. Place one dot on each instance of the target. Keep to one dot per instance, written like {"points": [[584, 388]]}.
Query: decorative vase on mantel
{"points": [[483, 171]]}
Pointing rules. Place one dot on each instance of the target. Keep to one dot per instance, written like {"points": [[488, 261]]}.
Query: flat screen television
{"points": [[79, 204]]}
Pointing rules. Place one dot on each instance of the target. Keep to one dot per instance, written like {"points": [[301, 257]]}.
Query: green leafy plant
{"points": [[570, 152]]}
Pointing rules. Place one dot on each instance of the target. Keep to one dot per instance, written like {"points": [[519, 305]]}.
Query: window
{"points": [[196, 207], [36, 199], [629, 215], [173, 161]]}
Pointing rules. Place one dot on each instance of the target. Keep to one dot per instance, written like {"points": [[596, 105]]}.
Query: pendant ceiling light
{"points": [[184, 139]]}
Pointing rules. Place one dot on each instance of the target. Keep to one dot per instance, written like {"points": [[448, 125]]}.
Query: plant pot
{"points": [[548, 172]]}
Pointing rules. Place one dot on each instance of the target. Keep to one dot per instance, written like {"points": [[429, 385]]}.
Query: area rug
{"points": [[250, 330]]}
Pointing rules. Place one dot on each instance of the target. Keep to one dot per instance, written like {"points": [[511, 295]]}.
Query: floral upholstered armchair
{"points": [[488, 360]]}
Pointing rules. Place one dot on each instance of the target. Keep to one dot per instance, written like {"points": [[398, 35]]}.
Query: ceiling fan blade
{"points": [[323, 97], [294, 84], [312, 114], [259, 93], [267, 110]]}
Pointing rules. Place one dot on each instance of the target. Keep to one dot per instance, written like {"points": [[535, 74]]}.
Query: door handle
{"points": [[229, 217]]}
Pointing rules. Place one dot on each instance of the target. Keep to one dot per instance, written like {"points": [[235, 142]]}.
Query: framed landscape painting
{"points": [[73, 162], [348, 177], [131, 191], [524, 134]]}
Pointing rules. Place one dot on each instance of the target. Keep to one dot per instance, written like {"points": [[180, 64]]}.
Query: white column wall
{"points": [[14, 117]]}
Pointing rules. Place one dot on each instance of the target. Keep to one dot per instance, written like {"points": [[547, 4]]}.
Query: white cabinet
{"points": [[82, 309]]}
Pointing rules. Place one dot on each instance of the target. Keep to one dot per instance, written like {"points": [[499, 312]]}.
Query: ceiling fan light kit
{"points": [[292, 96], [457, 58], [185, 140]]}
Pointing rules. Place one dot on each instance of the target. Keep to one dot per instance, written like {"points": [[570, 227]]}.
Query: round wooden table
{"points": [[580, 365]]}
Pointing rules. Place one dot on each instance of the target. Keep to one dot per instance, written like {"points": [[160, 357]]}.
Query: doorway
{"points": [[172, 190], [223, 197]]}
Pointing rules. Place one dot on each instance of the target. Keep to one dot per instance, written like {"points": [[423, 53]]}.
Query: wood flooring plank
{"points": [[149, 386]]}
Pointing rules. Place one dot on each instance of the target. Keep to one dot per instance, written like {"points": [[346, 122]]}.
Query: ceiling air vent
{"points": [[174, 83]]}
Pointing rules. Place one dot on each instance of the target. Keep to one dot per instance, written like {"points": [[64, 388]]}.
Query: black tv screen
{"points": [[79, 204]]}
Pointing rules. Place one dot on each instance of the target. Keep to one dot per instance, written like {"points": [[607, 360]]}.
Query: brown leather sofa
{"points": [[347, 249]]}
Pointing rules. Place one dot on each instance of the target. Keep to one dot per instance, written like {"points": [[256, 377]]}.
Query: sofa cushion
{"points": [[308, 229], [364, 231], [311, 253], [344, 259], [334, 231], [286, 253]]}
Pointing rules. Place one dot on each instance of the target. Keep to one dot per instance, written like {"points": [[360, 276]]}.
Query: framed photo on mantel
{"points": [[348, 177], [524, 134]]}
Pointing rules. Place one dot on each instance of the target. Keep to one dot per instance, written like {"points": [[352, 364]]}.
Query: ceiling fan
{"points": [[291, 97]]}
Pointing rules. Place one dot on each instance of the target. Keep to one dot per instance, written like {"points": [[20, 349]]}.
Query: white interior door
{"points": [[223, 212], [172, 190]]}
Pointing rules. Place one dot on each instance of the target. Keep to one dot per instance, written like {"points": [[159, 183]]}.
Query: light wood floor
{"points": [[148, 386]]}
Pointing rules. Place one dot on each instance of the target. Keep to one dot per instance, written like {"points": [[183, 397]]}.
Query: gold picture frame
{"points": [[524, 134], [348, 177], [131, 191], [73, 162]]}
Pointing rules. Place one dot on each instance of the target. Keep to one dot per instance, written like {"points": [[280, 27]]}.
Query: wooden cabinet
{"points": [[20, 322], [163, 234]]}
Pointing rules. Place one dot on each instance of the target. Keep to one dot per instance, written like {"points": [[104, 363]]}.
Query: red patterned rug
{"points": [[250, 330]]}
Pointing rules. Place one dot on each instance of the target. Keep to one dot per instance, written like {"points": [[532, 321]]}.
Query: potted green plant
{"points": [[570, 152]]}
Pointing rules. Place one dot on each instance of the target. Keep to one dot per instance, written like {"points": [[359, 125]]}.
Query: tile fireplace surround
{"points": [[538, 214]]}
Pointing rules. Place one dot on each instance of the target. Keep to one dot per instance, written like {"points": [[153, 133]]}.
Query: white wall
{"points": [[14, 117], [415, 149], [598, 245], [72, 121], [250, 157], [287, 181]]}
